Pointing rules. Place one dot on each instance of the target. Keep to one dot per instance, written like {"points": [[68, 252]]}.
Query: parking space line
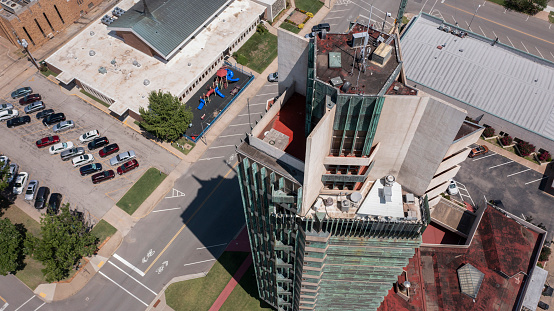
{"points": [[40, 306], [501, 164], [494, 34], [239, 124], [536, 180], [519, 172], [153, 292], [213, 158], [4, 306], [258, 104], [481, 158], [24, 303], [539, 52], [225, 146], [241, 134], [123, 288], [510, 41], [525, 47], [34, 132], [330, 18], [193, 263], [165, 210], [272, 93], [482, 31]]}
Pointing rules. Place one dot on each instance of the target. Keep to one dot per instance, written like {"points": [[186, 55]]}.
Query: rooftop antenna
{"points": [[146, 11]]}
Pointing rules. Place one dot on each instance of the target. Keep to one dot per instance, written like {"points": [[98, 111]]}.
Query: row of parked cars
{"points": [[33, 191]]}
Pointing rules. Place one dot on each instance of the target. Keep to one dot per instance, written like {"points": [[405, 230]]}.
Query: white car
{"points": [[88, 136], [8, 114], [31, 190], [5, 107], [57, 148], [82, 160], [452, 188], [20, 182]]}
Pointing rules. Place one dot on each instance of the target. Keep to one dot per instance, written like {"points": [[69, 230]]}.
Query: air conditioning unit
{"points": [[10, 6]]}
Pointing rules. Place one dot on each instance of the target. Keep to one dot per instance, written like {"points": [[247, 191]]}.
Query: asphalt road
{"points": [[184, 234], [528, 34], [495, 177]]}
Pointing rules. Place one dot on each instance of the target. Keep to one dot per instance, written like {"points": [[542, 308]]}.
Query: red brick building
{"points": [[37, 21]]}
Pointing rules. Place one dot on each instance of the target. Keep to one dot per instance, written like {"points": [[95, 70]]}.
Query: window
{"points": [[57, 11], [48, 21], [29, 36], [40, 28], [79, 2], [90, 5]]}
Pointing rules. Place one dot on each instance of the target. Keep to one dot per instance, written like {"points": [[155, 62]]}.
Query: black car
{"points": [[54, 203], [54, 118], [18, 121], [42, 196], [90, 168], [98, 142], [45, 113], [320, 27]]}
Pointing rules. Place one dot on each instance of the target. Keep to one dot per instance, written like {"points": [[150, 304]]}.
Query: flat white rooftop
{"points": [[124, 81], [375, 204]]}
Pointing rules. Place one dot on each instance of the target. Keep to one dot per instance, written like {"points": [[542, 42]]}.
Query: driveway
{"points": [[19, 145]]}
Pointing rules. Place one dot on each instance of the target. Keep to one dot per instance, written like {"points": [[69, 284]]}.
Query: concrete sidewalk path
{"points": [[232, 284]]}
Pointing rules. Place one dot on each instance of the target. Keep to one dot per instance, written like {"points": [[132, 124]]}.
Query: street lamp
{"points": [[24, 44], [385, 20], [469, 26]]}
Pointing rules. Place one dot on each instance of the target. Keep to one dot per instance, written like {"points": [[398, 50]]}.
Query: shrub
{"points": [[310, 14], [525, 148], [470, 119], [540, 265], [261, 29], [545, 156], [545, 253], [506, 140], [488, 132], [301, 26], [530, 7]]}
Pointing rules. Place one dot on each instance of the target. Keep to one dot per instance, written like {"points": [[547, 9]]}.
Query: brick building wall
{"points": [[134, 41], [41, 20]]}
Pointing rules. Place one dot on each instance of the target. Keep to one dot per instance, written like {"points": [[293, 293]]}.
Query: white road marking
{"points": [[494, 34], [225, 146], [539, 52], [24, 303], [212, 246], [273, 93], [482, 31], [176, 194], [501, 164], [128, 264], [519, 172], [464, 188], [4, 306], [40, 306], [330, 18], [213, 158], [552, 54], [240, 124], [468, 26], [510, 41], [536, 180], [525, 47], [258, 104], [481, 158], [165, 210], [123, 288], [423, 6], [339, 10], [188, 264], [118, 268], [241, 134], [455, 22], [243, 115]]}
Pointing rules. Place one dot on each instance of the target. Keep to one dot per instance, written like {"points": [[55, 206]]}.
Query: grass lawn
{"points": [[245, 295], [48, 72], [551, 17], [199, 294], [103, 230], [290, 27], [258, 52], [501, 2], [311, 6], [151, 179], [183, 145], [32, 275], [94, 98], [17, 216]]}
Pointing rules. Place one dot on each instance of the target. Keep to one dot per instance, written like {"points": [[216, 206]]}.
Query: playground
{"points": [[214, 97]]}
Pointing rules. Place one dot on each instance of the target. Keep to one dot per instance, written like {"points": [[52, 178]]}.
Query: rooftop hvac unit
{"points": [[328, 202], [118, 11], [344, 205], [387, 193], [355, 197], [359, 39], [389, 180], [107, 20], [10, 6], [409, 198], [323, 34], [346, 86], [336, 81]]}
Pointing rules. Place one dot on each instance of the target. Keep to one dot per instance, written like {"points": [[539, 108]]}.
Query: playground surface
{"points": [[205, 111]]}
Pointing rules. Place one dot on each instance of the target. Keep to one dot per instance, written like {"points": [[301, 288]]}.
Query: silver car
{"points": [[122, 157], [34, 106], [71, 153], [14, 169], [5, 107], [31, 190], [63, 126], [4, 161]]}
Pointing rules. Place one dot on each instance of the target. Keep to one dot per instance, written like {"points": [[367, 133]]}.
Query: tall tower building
{"points": [[339, 176]]}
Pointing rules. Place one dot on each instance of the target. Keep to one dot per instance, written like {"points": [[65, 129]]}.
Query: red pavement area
{"points": [[436, 234]]}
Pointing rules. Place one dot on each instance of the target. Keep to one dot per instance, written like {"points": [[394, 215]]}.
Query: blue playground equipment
{"points": [[230, 76], [201, 105], [218, 92]]}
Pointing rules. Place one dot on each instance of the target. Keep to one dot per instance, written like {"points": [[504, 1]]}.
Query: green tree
{"points": [[65, 240], [530, 7], [11, 244], [4, 170], [166, 117]]}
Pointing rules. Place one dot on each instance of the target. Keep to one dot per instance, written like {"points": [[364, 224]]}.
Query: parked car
{"points": [[42, 197], [29, 99], [53, 118], [88, 136], [98, 142], [20, 182], [14, 169], [71, 153], [57, 148], [43, 114], [34, 107], [47, 141], [20, 92], [4, 160], [54, 203], [122, 157], [273, 77], [82, 160], [452, 188], [109, 149], [105, 175], [90, 168], [127, 166], [5, 107], [320, 27], [18, 121], [479, 150], [8, 114], [63, 126], [31, 190]]}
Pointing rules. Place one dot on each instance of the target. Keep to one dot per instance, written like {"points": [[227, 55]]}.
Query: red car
{"points": [[128, 166], [47, 141], [109, 149], [29, 99], [104, 175]]}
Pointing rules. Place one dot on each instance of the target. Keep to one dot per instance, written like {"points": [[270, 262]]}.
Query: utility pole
{"points": [[469, 25], [400, 14], [24, 44]]}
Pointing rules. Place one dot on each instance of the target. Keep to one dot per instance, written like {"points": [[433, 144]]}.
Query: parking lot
{"points": [[60, 176], [520, 188]]}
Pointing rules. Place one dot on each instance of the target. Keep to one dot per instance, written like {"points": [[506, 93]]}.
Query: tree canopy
{"points": [[11, 244], [166, 117], [4, 170], [530, 7], [65, 240]]}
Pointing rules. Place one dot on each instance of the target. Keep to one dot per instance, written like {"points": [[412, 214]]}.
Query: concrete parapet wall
{"points": [[293, 61]]}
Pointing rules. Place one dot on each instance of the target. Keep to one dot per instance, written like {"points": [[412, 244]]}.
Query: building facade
{"points": [[339, 177]]}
